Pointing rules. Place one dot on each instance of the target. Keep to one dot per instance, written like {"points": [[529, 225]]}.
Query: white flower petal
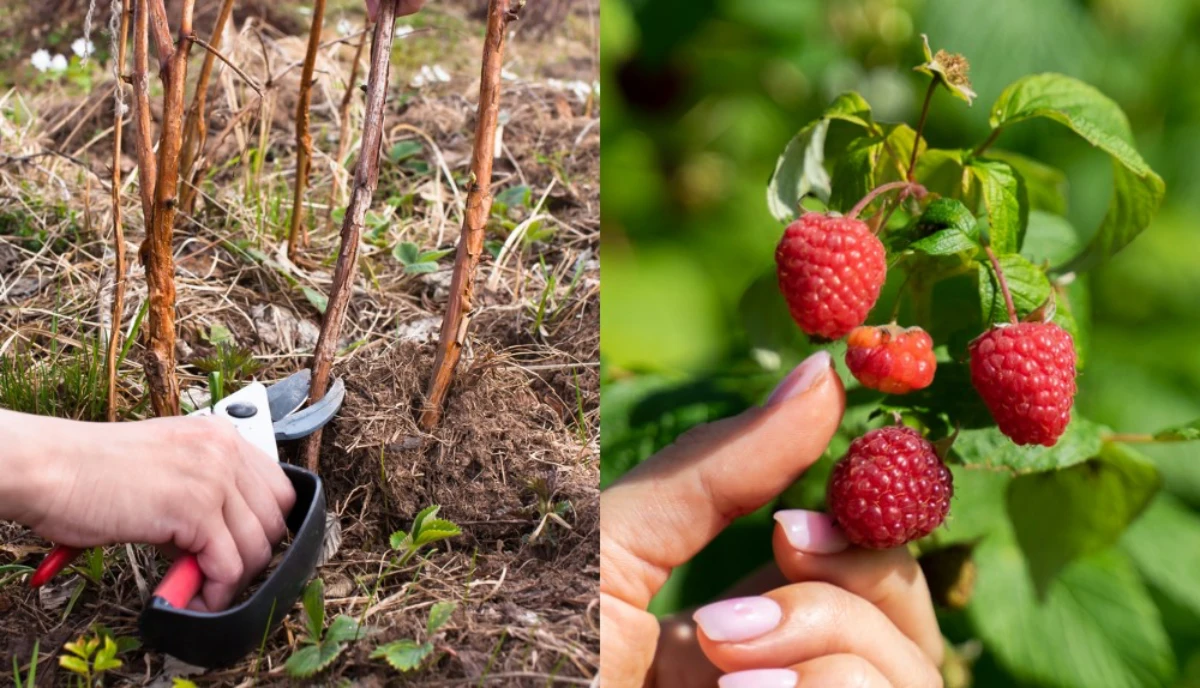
{"points": [[40, 60], [58, 64]]}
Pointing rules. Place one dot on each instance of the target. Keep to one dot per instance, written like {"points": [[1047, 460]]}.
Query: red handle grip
{"points": [[55, 561], [182, 582]]}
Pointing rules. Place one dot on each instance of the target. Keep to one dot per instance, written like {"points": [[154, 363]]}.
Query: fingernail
{"points": [[802, 377], [760, 678], [738, 619], [811, 531]]}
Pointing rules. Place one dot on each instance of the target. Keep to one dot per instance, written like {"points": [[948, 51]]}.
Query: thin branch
{"points": [[147, 165], [118, 304], [912, 161], [161, 31], [344, 117], [213, 51], [908, 188], [479, 204], [296, 237], [366, 177], [195, 131], [1008, 300], [987, 142]]}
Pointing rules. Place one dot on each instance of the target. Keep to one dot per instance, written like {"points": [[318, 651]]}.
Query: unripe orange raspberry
{"points": [[891, 359]]}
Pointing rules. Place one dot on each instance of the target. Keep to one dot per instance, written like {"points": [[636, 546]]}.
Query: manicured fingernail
{"points": [[802, 377], [760, 678], [742, 618], [811, 531]]}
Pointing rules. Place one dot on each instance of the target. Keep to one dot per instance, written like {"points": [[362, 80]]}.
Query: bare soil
{"points": [[520, 434]]}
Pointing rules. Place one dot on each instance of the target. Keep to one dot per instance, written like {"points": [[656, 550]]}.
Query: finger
{"points": [[804, 621], [263, 503], [222, 567], [252, 552], [663, 512], [808, 547], [849, 671]]}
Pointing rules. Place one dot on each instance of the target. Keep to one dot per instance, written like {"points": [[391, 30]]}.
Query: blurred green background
{"points": [[702, 95]]}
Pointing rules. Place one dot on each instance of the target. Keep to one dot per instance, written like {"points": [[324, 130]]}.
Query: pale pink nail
{"points": [[802, 378], [760, 678], [811, 531], [738, 619]]}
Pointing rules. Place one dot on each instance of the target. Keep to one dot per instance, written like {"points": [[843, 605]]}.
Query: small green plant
{"points": [[426, 530], [408, 654], [416, 261], [30, 680], [322, 645], [549, 510], [228, 365], [65, 384], [88, 658]]}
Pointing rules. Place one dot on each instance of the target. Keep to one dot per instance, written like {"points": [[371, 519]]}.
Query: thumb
{"points": [[667, 509]]}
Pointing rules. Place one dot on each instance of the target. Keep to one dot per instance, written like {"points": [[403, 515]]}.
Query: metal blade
{"points": [[304, 423], [288, 394]]}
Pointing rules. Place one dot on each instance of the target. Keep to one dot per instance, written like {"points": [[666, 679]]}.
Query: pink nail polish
{"points": [[811, 531], [760, 678], [802, 378], [738, 619]]}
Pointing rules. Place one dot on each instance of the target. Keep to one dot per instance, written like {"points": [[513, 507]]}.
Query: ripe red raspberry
{"points": [[1026, 376], [891, 359], [830, 271], [889, 488]]}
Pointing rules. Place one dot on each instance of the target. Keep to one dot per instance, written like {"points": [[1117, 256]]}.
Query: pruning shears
{"points": [[263, 416]]}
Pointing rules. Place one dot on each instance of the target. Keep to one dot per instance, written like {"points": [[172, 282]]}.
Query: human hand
{"points": [[825, 614], [404, 8], [191, 484]]}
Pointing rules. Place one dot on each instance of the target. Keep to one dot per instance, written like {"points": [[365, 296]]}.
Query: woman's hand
{"points": [[825, 613], [191, 484], [406, 7]]}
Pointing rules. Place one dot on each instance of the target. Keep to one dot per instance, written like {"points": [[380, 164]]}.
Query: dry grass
{"points": [[522, 421]]}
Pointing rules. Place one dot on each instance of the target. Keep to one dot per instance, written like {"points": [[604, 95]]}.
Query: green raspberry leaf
{"points": [[318, 300], [946, 227], [990, 448], [342, 629], [314, 608], [1045, 185], [1006, 202], [403, 655], [1179, 433], [437, 529], [1165, 546], [1096, 625], [800, 170], [1089, 504], [311, 659], [1137, 190], [1030, 288]]}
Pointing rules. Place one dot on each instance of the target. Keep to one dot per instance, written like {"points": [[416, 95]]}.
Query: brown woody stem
{"points": [[144, 143], [118, 304], [366, 176], [344, 117], [1008, 301], [161, 31], [912, 161], [909, 188], [303, 137], [195, 131], [479, 204]]}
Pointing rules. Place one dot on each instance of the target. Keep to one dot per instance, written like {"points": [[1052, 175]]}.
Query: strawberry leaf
{"points": [[439, 614], [403, 655]]}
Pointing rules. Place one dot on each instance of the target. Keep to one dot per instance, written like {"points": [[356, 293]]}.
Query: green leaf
{"points": [[1137, 190], [420, 268], [514, 196], [1050, 239], [800, 170], [343, 629], [1096, 625], [400, 540], [1179, 433], [1165, 545], [1005, 201], [941, 172], [311, 659], [407, 253], [404, 150], [75, 664], [403, 655], [316, 298], [854, 172], [1030, 288], [989, 448], [1046, 186], [314, 608], [434, 256], [946, 227], [106, 664], [1089, 504], [219, 334], [182, 683], [439, 614], [437, 529], [428, 512]]}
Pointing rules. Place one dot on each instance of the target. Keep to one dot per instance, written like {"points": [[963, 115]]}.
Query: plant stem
{"points": [[344, 117], [118, 304], [987, 142], [144, 143], [912, 161], [479, 205], [909, 188], [1008, 302], [157, 252], [195, 131], [366, 176], [296, 236], [1129, 438]]}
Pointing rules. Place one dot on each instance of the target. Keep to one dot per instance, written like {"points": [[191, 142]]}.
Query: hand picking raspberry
{"points": [[830, 612]]}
